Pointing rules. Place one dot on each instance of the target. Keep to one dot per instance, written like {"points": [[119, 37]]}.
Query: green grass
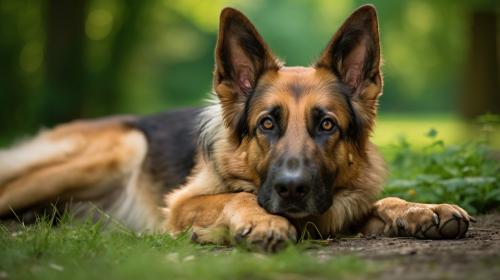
{"points": [[89, 251]]}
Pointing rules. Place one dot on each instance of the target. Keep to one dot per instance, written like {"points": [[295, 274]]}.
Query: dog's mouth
{"points": [[294, 212], [302, 211]]}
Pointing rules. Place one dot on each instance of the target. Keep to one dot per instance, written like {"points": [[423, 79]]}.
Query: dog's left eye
{"points": [[267, 123], [327, 125]]}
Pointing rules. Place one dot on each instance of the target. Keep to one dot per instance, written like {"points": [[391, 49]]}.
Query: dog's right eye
{"points": [[267, 124]]}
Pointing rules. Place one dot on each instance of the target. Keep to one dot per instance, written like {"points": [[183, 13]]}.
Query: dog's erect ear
{"points": [[353, 54], [241, 57]]}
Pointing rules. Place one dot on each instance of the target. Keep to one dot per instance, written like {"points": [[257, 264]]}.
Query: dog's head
{"points": [[305, 129]]}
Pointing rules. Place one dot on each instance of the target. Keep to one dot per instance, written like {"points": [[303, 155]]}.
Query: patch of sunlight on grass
{"points": [[451, 129]]}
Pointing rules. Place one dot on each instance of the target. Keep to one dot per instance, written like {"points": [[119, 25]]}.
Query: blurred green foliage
{"points": [[465, 174], [148, 56]]}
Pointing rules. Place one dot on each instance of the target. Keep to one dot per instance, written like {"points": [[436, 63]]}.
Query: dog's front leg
{"points": [[396, 217], [230, 218]]}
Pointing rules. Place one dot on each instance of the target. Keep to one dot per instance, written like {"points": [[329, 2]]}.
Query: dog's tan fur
{"points": [[82, 161], [104, 161]]}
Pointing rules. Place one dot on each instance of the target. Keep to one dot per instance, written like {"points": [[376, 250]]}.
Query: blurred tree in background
{"points": [[62, 60]]}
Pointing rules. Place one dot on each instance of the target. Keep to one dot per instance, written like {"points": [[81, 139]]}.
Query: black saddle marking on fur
{"points": [[172, 145]]}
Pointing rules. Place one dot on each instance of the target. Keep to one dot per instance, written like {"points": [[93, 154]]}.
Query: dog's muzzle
{"points": [[289, 189]]}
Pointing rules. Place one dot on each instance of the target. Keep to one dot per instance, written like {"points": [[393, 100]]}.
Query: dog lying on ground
{"points": [[278, 148]]}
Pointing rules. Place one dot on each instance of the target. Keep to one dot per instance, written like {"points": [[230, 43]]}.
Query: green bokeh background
{"points": [[99, 57]]}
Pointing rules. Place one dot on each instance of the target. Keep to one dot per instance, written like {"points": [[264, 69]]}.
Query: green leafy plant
{"points": [[465, 174]]}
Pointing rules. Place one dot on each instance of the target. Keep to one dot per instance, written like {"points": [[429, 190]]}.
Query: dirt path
{"points": [[475, 257]]}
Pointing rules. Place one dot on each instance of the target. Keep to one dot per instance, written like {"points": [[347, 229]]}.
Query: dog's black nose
{"points": [[292, 181], [291, 188]]}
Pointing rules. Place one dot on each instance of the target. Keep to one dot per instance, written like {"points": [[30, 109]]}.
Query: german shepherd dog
{"points": [[277, 149]]}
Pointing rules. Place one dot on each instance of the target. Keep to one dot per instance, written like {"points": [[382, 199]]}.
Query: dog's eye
{"points": [[267, 123], [327, 125]]}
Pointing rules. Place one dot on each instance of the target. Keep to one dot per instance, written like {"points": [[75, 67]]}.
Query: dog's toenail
{"points": [[435, 219]]}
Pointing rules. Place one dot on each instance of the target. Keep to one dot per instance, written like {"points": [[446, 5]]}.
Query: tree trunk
{"points": [[64, 68], [481, 83]]}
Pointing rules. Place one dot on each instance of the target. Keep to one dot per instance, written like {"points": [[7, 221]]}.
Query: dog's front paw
{"points": [[430, 221], [264, 232]]}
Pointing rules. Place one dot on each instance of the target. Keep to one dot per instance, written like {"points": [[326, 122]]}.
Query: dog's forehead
{"points": [[305, 76], [296, 73], [296, 86], [297, 70], [296, 82], [300, 88]]}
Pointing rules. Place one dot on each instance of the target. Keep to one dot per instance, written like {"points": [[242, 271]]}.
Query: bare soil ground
{"points": [[477, 256]]}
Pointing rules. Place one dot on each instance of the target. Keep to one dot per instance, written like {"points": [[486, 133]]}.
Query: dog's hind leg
{"points": [[77, 161]]}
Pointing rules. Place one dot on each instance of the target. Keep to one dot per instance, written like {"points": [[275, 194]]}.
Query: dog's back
{"points": [[122, 165], [172, 145]]}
